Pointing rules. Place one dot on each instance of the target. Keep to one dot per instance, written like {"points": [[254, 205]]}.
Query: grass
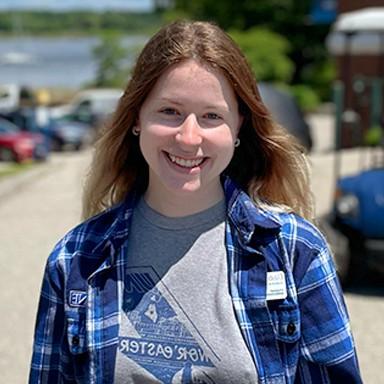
{"points": [[10, 169]]}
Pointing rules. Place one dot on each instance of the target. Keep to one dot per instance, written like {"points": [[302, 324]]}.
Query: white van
{"points": [[90, 103], [9, 97]]}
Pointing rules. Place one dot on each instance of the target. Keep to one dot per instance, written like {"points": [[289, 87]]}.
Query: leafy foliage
{"points": [[76, 22], [299, 62], [266, 52], [113, 60], [109, 55], [305, 95]]}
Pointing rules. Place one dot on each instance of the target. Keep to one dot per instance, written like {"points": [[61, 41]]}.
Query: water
{"points": [[52, 62]]}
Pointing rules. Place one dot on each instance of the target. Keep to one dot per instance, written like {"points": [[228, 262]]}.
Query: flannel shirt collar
{"points": [[255, 226], [116, 233]]}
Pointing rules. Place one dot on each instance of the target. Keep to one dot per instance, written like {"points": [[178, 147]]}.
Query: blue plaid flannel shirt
{"points": [[304, 338]]}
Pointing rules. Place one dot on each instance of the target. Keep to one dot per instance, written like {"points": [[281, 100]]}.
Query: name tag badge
{"points": [[276, 285]]}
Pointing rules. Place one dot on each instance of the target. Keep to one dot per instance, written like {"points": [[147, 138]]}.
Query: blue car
{"points": [[355, 226], [60, 133], [66, 134]]}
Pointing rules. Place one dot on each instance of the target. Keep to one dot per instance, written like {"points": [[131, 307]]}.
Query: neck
{"points": [[183, 204]]}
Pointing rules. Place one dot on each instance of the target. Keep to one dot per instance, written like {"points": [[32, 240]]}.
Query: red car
{"points": [[19, 146]]}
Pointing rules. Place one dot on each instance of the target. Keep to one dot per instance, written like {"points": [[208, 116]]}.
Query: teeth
{"points": [[185, 163]]}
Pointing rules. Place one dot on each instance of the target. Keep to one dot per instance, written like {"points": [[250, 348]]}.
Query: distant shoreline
{"points": [[77, 23], [59, 62]]}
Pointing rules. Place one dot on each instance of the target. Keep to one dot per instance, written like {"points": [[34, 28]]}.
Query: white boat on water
{"points": [[17, 58]]}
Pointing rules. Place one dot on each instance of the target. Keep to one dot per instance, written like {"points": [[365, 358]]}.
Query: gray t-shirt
{"points": [[178, 324]]}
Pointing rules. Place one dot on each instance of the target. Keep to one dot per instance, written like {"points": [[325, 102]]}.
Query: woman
{"points": [[196, 263]]}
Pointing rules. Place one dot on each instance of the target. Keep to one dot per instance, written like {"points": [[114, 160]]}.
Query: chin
{"points": [[185, 188]]}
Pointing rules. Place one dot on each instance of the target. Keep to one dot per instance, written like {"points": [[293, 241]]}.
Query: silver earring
{"points": [[236, 143], [135, 131]]}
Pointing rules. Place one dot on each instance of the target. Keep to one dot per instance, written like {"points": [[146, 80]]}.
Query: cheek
{"points": [[156, 131], [223, 140], [221, 151], [226, 146], [152, 139]]}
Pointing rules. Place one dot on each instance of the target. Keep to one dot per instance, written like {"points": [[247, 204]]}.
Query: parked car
{"points": [[17, 145], [91, 106], [355, 226], [286, 111], [60, 133], [13, 95], [69, 134]]}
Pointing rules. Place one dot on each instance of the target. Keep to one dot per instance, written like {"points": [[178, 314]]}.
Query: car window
{"points": [[7, 127], [106, 105]]}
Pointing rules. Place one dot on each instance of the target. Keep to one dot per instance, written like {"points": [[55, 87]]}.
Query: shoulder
{"points": [[293, 228], [301, 233], [87, 236], [305, 246]]}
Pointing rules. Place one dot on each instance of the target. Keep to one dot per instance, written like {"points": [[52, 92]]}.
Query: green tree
{"points": [[77, 22], [288, 18], [266, 52], [109, 56]]}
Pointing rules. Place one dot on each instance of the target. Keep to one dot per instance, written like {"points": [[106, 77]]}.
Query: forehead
{"points": [[193, 78], [191, 67]]}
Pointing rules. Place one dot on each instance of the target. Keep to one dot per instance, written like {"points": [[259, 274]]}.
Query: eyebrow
{"points": [[170, 100], [177, 102]]}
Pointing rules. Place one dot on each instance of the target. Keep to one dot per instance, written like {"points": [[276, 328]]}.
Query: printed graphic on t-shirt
{"points": [[155, 338]]}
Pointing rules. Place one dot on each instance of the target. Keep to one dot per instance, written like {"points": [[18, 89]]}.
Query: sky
{"points": [[60, 5]]}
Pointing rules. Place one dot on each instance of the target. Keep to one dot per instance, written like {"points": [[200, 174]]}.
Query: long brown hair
{"points": [[269, 164]]}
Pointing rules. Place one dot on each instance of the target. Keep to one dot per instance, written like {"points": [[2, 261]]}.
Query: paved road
{"points": [[39, 207], [36, 209]]}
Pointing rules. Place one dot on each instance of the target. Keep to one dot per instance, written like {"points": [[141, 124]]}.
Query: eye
{"points": [[212, 116], [169, 111]]}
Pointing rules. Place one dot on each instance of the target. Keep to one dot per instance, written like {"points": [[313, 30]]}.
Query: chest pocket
{"points": [[287, 321], [76, 333], [77, 343]]}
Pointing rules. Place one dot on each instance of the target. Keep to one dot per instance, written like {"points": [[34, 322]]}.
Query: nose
{"points": [[189, 133]]}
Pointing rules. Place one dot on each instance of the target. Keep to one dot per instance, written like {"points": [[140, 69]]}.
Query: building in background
{"points": [[357, 43], [353, 5]]}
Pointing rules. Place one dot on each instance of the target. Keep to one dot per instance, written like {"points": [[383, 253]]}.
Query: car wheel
{"points": [[78, 146], [56, 145], [357, 268], [7, 154], [41, 153]]}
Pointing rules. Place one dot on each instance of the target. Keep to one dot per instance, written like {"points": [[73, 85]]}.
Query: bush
{"points": [[267, 53], [320, 76], [306, 97], [111, 56]]}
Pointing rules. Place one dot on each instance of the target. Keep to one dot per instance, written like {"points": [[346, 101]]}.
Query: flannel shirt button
{"points": [[75, 340], [291, 328]]}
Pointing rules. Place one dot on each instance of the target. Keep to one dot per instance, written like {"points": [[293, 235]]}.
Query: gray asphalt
{"points": [[38, 207]]}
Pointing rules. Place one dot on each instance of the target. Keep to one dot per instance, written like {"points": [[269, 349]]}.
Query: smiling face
{"points": [[188, 125]]}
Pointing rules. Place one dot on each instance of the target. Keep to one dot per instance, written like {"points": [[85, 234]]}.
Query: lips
{"points": [[186, 163]]}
